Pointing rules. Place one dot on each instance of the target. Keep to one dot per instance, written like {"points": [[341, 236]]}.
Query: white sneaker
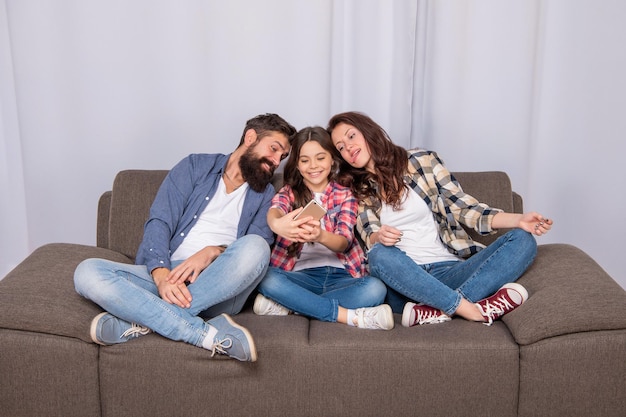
{"points": [[379, 317], [263, 306]]}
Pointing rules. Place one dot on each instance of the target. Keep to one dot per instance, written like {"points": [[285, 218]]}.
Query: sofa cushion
{"points": [[563, 299], [324, 369], [39, 295], [46, 375]]}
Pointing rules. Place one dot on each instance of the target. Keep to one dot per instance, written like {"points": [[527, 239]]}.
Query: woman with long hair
{"points": [[410, 217]]}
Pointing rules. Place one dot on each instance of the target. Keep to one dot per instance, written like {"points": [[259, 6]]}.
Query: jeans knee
{"points": [[83, 276], [378, 288], [375, 290], [270, 282], [378, 255], [526, 242], [254, 248]]}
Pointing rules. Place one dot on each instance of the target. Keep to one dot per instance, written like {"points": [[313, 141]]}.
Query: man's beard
{"points": [[254, 172]]}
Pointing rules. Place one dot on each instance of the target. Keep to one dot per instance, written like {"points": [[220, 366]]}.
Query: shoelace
{"points": [[135, 330], [275, 309], [498, 308], [430, 317], [221, 346], [368, 318]]}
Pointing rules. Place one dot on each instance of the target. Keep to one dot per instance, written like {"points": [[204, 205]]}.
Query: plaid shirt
{"points": [[450, 206], [341, 207]]}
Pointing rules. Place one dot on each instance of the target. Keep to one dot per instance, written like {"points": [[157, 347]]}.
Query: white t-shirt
{"points": [[217, 225], [420, 239], [315, 254]]}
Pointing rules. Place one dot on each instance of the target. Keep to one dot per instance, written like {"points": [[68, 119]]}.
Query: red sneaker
{"points": [[505, 300], [414, 314]]}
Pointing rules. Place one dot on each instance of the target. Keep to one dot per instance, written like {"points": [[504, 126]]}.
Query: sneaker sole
{"points": [[390, 324], [94, 327], [253, 355], [257, 302], [406, 314], [519, 288]]}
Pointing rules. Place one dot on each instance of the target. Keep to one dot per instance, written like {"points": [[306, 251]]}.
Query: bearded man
{"points": [[204, 250]]}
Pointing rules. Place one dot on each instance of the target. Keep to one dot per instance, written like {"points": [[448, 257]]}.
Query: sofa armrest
{"points": [[102, 227], [518, 203], [568, 293]]}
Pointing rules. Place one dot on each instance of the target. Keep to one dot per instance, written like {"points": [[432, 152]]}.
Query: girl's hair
{"points": [[390, 161], [292, 176]]}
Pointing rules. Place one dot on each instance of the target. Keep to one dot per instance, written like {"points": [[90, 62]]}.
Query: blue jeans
{"points": [[129, 292], [443, 284], [318, 292]]}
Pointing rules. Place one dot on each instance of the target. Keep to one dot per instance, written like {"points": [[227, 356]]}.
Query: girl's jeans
{"points": [[129, 292], [443, 284], [318, 292]]}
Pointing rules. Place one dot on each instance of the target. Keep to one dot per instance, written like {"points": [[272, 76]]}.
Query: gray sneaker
{"points": [[106, 329], [232, 339], [379, 317], [263, 306]]}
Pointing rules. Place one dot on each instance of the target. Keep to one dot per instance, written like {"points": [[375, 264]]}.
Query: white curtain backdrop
{"points": [[534, 88]]}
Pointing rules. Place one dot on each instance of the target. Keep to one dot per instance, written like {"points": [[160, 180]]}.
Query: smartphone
{"points": [[313, 209]]}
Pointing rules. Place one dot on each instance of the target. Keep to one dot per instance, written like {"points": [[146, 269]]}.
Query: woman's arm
{"points": [[531, 222]]}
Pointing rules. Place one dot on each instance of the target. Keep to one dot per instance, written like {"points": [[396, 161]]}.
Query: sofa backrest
{"points": [[123, 211], [492, 188], [131, 197]]}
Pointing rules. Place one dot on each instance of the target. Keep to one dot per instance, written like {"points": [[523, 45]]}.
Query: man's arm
{"points": [[165, 213]]}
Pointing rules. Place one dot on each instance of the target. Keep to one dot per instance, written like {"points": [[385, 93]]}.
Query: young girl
{"points": [[317, 267], [410, 214]]}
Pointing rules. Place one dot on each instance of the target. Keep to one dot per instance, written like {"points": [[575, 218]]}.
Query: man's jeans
{"points": [[129, 292], [318, 292], [443, 284]]}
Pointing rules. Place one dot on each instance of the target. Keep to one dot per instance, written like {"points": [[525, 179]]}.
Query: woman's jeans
{"points": [[442, 285], [129, 292], [318, 292]]}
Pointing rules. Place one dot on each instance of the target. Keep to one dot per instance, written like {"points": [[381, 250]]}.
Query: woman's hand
{"points": [[535, 223], [387, 235]]}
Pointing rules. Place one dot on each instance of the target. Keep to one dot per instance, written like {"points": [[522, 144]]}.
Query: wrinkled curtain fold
{"points": [[13, 221]]}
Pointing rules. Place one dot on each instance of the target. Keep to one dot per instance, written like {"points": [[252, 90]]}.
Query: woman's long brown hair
{"points": [[390, 161]]}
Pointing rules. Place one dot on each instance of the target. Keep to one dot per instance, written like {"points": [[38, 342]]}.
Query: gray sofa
{"points": [[563, 353]]}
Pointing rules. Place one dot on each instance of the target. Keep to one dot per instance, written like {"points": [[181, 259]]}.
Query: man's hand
{"points": [[190, 268], [172, 284], [177, 294]]}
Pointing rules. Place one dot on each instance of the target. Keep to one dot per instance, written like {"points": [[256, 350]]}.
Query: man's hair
{"points": [[264, 124]]}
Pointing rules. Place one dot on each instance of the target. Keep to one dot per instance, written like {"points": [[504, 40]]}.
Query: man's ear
{"points": [[250, 137]]}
